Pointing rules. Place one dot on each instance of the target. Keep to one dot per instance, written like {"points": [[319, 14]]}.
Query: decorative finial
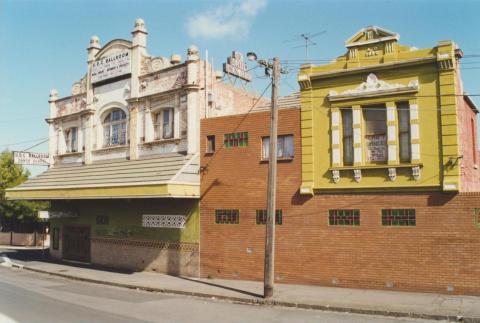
{"points": [[53, 95], [192, 53], [94, 42], [139, 25]]}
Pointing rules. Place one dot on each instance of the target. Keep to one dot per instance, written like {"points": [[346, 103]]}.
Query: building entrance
{"points": [[76, 243]]}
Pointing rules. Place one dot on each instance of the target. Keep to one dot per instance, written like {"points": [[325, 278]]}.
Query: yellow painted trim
{"points": [[164, 190]]}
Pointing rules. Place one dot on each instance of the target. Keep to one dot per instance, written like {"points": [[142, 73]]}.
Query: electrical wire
{"points": [[245, 115]]}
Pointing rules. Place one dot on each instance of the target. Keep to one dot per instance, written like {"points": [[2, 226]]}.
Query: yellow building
{"points": [[387, 117]]}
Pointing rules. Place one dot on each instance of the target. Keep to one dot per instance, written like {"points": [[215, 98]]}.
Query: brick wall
{"points": [[441, 253]]}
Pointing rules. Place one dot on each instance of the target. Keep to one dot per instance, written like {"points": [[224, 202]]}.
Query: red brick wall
{"points": [[470, 173], [442, 250]]}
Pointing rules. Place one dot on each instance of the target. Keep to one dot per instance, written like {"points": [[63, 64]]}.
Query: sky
{"points": [[43, 42]]}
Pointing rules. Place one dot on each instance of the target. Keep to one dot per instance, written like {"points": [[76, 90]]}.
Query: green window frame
{"points": [[344, 217], [399, 217], [235, 139], [224, 216], [261, 217]]}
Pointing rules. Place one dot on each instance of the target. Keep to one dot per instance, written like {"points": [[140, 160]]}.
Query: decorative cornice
{"points": [[373, 68], [374, 87]]}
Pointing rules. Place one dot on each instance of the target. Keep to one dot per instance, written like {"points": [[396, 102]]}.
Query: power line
{"points": [[24, 142], [239, 124]]}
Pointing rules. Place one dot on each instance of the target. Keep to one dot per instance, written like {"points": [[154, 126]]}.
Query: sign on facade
{"points": [[61, 214], [237, 67], [163, 221], [43, 215], [376, 148], [111, 66], [30, 158]]}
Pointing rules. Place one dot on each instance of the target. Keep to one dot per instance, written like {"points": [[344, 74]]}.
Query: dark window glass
{"points": [[398, 217], [227, 216], [344, 217], [262, 217]]}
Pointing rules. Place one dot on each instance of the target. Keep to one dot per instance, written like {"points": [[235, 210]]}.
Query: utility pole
{"points": [[269, 269]]}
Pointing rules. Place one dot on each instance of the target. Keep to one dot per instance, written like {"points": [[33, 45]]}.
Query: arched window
{"points": [[164, 124], [115, 128]]}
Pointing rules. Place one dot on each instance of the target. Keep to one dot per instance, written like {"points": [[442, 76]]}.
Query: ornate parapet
{"points": [[163, 80], [72, 104]]}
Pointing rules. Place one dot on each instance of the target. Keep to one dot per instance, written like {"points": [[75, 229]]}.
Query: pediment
{"points": [[113, 47], [370, 35]]}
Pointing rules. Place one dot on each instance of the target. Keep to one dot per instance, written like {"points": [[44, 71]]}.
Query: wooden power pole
{"points": [[269, 272]]}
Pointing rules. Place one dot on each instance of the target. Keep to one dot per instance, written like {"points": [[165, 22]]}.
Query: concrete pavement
{"points": [[376, 302]]}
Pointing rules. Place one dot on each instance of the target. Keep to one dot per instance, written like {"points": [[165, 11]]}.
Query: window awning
{"points": [[171, 175]]}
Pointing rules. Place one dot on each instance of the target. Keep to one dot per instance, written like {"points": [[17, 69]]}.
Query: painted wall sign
{"points": [[111, 66], [236, 66], [30, 158], [376, 148], [60, 214]]}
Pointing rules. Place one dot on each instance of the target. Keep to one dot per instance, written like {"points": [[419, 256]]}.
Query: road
{"points": [[31, 297]]}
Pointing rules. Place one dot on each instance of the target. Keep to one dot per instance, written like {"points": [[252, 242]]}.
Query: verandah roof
{"points": [[170, 175]]}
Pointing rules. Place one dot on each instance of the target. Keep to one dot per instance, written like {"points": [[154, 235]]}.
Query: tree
{"points": [[16, 215]]}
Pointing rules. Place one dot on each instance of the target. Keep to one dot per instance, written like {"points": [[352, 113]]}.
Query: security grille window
{"points": [[344, 217], [164, 124], [398, 217], [55, 238], [403, 111], [347, 132], [102, 219], [115, 128], [262, 217], [284, 146], [227, 216], [210, 144], [237, 139], [71, 141], [375, 121]]}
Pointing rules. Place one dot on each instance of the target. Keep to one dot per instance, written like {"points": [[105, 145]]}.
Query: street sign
{"points": [[30, 158], [43, 215], [236, 66]]}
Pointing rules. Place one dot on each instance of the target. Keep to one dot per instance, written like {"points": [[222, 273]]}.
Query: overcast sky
{"points": [[43, 43]]}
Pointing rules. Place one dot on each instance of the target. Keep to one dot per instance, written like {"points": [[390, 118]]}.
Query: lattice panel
{"points": [[164, 221]]}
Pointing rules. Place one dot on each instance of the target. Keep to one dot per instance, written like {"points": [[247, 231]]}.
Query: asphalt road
{"points": [[30, 297]]}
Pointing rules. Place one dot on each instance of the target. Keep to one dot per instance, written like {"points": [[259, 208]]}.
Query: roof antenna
{"points": [[307, 39]]}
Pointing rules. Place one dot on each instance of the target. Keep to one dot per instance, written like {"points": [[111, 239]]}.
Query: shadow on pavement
{"points": [[221, 286], [38, 255]]}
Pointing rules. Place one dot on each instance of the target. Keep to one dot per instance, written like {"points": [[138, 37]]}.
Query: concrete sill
{"points": [[160, 141], [379, 166], [111, 148], [279, 159], [76, 153]]}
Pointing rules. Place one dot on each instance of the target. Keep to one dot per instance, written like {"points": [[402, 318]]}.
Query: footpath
{"points": [[364, 301]]}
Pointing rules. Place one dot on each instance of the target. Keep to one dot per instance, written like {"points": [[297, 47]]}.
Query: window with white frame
{"points": [[115, 128], [164, 124], [71, 139], [347, 131], [403, 113], [284, 146], [375, 132]]}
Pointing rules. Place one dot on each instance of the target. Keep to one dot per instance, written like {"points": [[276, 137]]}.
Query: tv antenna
{"points": [[307, 39]]}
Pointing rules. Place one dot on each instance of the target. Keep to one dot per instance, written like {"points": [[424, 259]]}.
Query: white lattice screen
{"points": [[163, 221]]}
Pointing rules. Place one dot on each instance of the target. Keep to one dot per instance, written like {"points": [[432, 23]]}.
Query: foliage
{"points": [[16, 215]]}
